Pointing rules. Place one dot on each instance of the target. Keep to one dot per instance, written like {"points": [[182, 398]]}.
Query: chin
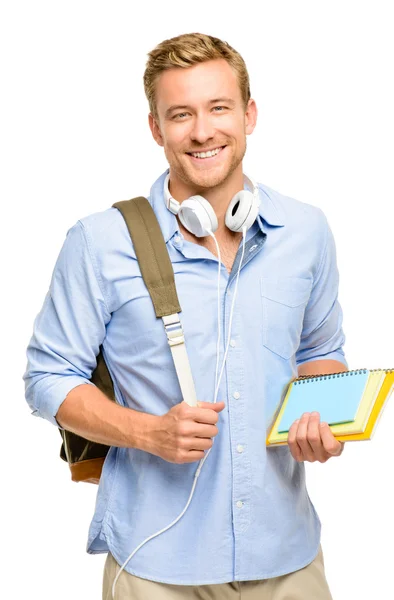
{"points": [[207, 179]]}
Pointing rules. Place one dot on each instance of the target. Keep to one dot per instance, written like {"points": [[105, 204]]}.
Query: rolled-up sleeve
{"points": [[322, 336], [69, 329]]}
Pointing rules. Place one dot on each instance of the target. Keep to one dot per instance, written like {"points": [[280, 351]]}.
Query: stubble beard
{"points": [[205, 180]]}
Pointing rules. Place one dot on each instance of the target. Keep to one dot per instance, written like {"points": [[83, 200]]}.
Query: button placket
{"points": [[235, 373], [237, 406]]}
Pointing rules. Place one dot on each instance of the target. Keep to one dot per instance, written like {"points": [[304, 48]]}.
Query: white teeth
{"points": [[206, 154]]}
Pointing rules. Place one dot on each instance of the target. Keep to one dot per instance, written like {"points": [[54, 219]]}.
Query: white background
{"points": [[75, 139]]}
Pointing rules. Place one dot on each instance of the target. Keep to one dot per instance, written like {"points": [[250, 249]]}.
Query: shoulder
{"points": [[291, 208], [105, 231], [107, 222], [291, 211]]}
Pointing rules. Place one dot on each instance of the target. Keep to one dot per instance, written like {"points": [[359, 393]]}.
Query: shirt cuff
{"points": [[49, 395], [337, 355]]}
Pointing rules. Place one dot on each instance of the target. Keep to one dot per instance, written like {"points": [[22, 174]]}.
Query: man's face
{"points": [[201, 109]]}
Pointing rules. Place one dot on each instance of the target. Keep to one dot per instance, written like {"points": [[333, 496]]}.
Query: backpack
{"points": [[84, 457]]}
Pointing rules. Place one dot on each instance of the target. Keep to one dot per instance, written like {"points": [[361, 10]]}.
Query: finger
{"points": [[205, 415], [217, 406], [332, 446], [302, 438], [205, 431], [193, 455], [295, 450], [190, 429], [196, 443], [314, 438]]}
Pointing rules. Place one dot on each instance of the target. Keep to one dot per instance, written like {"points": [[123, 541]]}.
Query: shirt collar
{"points": [[269, 210]]}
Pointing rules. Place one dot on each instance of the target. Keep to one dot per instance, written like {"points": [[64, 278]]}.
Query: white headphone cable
{"points": [[214, 401], [232, 310], [218, 315]]}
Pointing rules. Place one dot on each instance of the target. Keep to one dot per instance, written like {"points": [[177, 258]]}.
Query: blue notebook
{"points": [[336, 397]]}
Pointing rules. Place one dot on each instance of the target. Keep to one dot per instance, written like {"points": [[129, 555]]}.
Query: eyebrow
{"points": [[223, 99], [183, 106]]}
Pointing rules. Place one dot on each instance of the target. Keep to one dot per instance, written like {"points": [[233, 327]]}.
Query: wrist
{"points": [[144, 426]]}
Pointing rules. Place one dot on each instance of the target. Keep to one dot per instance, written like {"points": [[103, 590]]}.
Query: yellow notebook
{"points": [[350, 402], [368, 400], [381, 402]]}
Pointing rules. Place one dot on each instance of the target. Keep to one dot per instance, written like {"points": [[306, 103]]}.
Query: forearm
{"points": [[87, 412], [321, 367]]}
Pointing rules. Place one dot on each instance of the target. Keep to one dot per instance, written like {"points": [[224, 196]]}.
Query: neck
{"points": [[218, 196]]}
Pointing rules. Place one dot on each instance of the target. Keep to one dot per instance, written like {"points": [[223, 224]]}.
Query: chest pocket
{"points": [[284, 300]]}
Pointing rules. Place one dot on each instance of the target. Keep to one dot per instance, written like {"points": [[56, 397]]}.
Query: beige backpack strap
{"points": [[158, 274]]}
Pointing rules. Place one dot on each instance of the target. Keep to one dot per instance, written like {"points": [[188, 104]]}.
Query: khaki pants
{"points": [[308, 583]]}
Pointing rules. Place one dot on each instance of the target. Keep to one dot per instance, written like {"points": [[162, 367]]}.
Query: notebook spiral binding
{"points": [[322, 376]]}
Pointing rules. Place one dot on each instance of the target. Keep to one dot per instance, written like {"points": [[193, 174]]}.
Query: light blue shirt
{"points": [[250, 516]]}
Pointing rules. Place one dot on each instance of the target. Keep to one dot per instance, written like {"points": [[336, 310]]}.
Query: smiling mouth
{"points": [[207, 154]]}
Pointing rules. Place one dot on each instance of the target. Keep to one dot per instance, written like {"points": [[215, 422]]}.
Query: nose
{"points": [[202, 129]]}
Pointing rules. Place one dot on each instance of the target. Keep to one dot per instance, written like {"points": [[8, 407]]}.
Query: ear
{"points": [[155, 129], [250, 117]]}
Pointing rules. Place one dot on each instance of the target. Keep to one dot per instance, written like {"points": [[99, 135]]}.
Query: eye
{"points": [[180, 115], [221, 108]]}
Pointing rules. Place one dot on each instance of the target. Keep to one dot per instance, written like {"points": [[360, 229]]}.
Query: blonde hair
{"points": [[185, 51]]}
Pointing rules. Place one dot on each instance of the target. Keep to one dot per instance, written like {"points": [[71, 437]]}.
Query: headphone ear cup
{"points": [[242, 211], [198, 216]]}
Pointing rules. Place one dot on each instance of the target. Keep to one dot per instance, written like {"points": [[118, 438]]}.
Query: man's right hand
{"points": [[184, 433]]}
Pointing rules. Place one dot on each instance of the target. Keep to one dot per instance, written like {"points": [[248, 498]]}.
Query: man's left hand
{"points": [[311, 440]]}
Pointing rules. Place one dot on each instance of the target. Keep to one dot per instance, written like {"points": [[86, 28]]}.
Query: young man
{"points": [[250, 530]]}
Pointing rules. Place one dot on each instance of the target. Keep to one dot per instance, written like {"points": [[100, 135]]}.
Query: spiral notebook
{"points": [[351, 402]]}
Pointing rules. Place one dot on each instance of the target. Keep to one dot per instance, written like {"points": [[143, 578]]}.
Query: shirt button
{"points": [[253, 248], [232, 343], [236, 395], [240, 448], [177, 239], [240, 504]]}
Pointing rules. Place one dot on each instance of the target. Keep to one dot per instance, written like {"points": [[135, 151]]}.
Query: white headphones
{"points": [[198, 217]]}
